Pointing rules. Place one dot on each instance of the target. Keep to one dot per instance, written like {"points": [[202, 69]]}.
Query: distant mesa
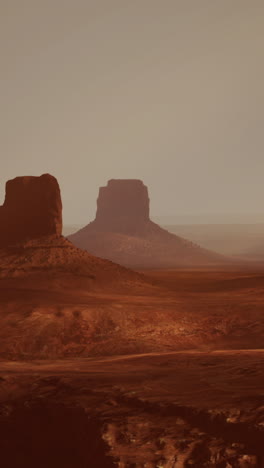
{"points": [[32, 209], [122, 206], [123, 232]]}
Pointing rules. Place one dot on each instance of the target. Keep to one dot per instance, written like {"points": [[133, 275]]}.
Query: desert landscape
{"points": [[131, 234], [124, 233], [108, 366]]}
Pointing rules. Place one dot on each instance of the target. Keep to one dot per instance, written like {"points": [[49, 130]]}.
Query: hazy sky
{"points": [[168, 91]]}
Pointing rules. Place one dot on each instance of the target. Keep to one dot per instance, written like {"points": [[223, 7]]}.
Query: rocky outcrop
{"points": [[31, 244], [124, 233], [32, 209], [122, 206]]}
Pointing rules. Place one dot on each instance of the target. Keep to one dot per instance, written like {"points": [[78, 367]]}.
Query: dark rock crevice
{"points": [[48, 435], [247, 436]]}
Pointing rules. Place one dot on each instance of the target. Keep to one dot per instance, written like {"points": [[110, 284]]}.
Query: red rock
{"points": [[32, 209], [123, 232], [122, 206], [34, 254]]}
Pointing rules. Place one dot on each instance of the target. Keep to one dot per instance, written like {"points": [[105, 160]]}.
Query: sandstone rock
{"points": [[34, 254], [124, 233], [32, 209], [122, 206]]}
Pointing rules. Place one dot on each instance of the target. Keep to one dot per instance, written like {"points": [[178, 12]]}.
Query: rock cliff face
{"points": [[122, 206], [124, 233], [32, 209]]}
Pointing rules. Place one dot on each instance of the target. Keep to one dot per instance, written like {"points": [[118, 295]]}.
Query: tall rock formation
{"points": [[123, 232], [32, 209], [31, 243], [122, 206]]}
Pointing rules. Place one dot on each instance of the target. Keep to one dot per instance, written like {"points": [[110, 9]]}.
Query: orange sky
{"points": [[169, 91]]}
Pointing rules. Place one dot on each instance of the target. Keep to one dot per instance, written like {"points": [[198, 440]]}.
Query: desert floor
{"points": [[193, 397], [160, 312]]}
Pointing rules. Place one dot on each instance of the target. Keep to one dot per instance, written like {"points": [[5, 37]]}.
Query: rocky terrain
{"points": [[161, 368], [172, 410], [62, 315], [41, 271], [123, 232], [58, 301]]}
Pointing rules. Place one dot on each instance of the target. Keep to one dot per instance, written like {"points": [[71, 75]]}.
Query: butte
{"points": [[31, 241], [124, 233]]}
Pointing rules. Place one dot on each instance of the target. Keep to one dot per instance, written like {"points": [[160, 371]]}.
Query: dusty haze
{"points": [[170, 92]]}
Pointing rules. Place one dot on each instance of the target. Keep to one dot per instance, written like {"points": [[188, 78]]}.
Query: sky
{"points": [[167, 91]]}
